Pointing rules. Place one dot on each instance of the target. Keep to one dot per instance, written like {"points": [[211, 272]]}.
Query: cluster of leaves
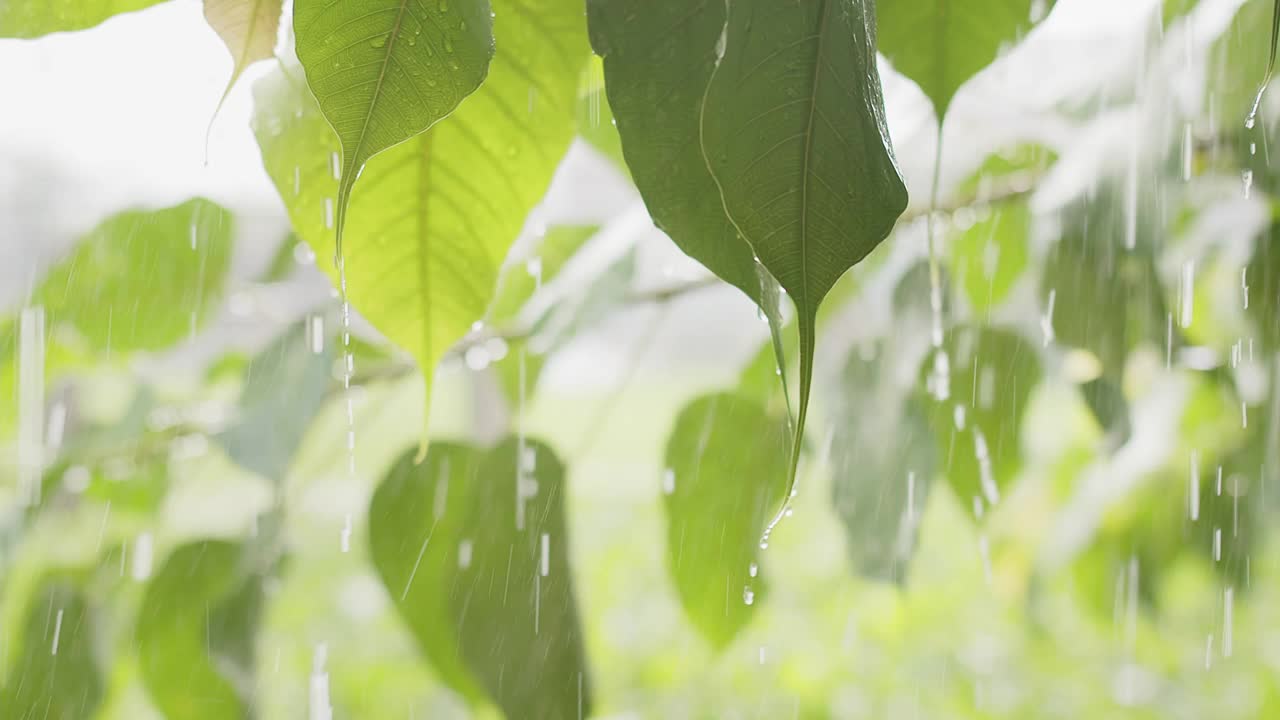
{"points": [[410, 141]]}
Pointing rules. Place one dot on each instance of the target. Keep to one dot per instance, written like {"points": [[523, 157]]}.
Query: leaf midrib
{"points": [[248, 37], [377, 88], [424, 171], [806, 160]]}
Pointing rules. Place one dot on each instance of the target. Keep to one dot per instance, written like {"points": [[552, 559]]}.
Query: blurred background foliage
{"points": [[211, 504]]}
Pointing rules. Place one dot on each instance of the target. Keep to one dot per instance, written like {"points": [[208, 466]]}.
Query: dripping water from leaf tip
{"points": [[748, 596], [1252, 118]]}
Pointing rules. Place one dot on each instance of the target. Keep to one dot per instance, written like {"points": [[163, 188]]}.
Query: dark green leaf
{"points": [[141, 280], [284, 387], [383, 71], [658, 58], [725, 476], [33, 18], [978, 427], [794, 134], [939, 46], [204, 591], [484, 582], [54, 675], [434, 217]]}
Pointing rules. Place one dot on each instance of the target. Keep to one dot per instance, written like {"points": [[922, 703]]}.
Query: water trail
{"points": [[348, 368], [1252, 118]]}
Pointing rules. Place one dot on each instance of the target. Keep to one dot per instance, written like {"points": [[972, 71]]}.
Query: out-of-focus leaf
{"points": [[484, 582], [248, 28], [142, 279], [883, 454], [195, 632], [979, 426], [1238, 61], [990, 255], [1172, 10], [284, 387], [383, 71], [54, 673], [883, 461], [33, 18], [283, 262], [433, 217], [1013, 168], [794, 134], [520, 283], [1262, 286], [725, 476], [941, 47]]}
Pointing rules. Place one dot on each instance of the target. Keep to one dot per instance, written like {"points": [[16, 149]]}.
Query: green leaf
{"points": [[883, 452], [434, 217], [383, 71], [33, 18], [195, 630], [248, 28], [596, 123], [979, 427], [141, 280], [939, 45], [794, 134], [483, 582], [518, 284], [54, 675], [284, 388], [283, 262], [990, 255], [658, 58], [725, 476], [1240, 59]]}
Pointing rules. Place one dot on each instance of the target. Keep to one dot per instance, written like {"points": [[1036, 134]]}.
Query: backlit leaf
{"points": [[33, 18], [990, 255], [382, 71], [725, 475], [248, 28], [433, 217]]}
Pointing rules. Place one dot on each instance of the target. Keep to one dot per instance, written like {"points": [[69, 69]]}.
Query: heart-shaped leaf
{"points": [[195, 631], [726, 463], [383, 71], [434, 217], [940, 45], [249, 28], [472, 547], [794, 134]]}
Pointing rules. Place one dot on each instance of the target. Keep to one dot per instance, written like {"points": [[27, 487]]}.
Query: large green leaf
{"points": [[383, 71], [249, 29], [979, 427], [794, 134], [284, 388], [195, 632], [142, 279], [433, 218], [658, 58], [484, 582], [1240, 61], [725, 475], [33, 18], [940, 45], [54, 673]]}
